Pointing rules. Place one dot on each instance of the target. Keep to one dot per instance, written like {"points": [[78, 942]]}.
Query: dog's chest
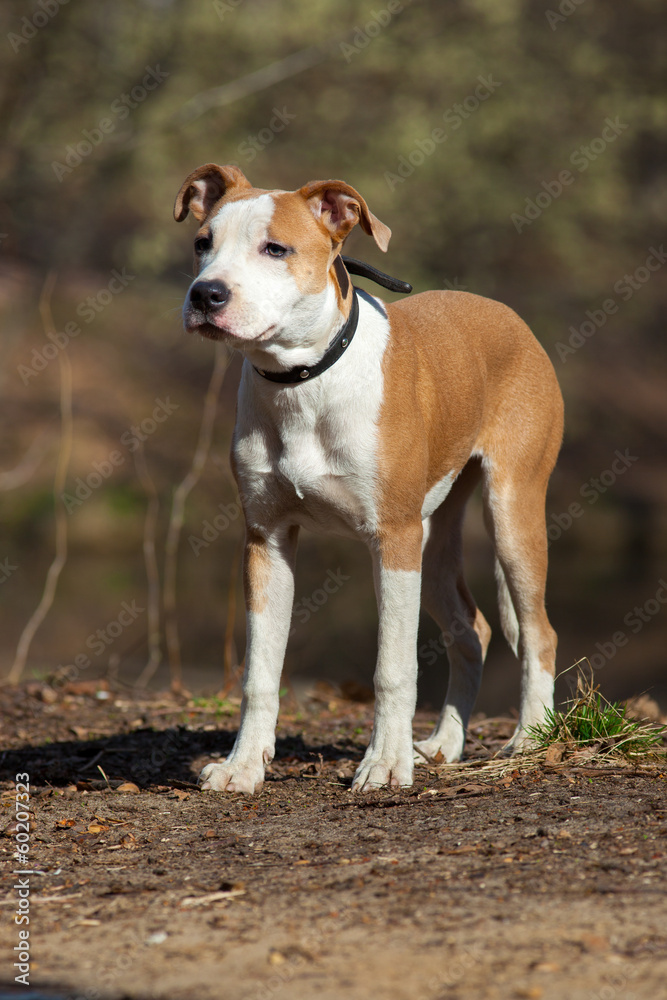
{"points": [[315, 466], [308, 454]]}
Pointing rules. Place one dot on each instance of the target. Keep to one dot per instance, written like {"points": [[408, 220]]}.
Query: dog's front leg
{"points": [[269, 591], [397, 573]]}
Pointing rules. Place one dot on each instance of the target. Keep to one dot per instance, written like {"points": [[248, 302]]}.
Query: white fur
{"points": [[267, 632], [267, 316], [307, 454], [437, 494], [388, 759]]}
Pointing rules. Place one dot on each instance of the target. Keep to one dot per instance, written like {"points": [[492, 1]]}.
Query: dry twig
{"points": [[152, 572], [19, 475], [178, 513], [60, 557]]}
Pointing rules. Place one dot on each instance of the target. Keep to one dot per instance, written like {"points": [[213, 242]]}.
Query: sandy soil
{"points": [[540, 883]]}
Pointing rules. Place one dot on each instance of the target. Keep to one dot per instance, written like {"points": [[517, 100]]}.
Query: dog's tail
{"points": [[508, 619]]}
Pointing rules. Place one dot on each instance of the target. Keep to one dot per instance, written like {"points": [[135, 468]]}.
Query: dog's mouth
{"points": [[213, 332], [207, 330]]}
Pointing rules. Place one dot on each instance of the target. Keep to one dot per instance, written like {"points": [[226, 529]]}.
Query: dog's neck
{"points": [[312, 330]]}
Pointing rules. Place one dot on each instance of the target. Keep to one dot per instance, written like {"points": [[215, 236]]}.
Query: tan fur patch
{"points": [[256, 571], [460, 374], [294, 225]]}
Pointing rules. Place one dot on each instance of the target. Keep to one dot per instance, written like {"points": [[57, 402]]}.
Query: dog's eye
{"points": [[202, 244], [275, 250]]}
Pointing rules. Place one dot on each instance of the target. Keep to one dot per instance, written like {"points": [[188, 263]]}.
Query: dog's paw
{"points": [[521, 741], [439, 750], [374, 772], [230, 776]]}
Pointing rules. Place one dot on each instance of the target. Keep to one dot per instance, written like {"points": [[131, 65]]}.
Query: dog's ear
{"points": [[204, 187], [339, 207]]}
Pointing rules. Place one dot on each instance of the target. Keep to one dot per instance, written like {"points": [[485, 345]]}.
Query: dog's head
{"points": [[264, 260]]}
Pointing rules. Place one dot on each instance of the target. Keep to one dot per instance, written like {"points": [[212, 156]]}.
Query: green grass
{"points": [[590, 720], [215, 705]]}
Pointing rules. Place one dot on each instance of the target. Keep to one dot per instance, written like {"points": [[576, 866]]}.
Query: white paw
{"points": [[377, 772], [232, 777], [520, 741], [451, 749]]}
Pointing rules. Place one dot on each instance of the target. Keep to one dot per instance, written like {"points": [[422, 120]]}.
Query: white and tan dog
{"points": [[433, 393]]}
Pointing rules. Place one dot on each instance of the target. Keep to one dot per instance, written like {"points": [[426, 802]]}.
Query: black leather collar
{"points": [[343, 339], [341, 342]]}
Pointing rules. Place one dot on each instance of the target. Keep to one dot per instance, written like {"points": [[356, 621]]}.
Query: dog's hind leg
{"points": [[465, 632], [514, 512]]}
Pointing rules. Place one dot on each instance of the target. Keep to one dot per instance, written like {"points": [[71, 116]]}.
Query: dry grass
{"points": [[590, 732]]}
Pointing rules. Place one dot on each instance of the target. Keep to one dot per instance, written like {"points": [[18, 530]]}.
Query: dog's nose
{"points": [[209, 295]]}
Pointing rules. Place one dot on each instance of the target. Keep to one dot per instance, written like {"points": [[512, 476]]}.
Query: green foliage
{"points": [[216, 706], [590, 720]]}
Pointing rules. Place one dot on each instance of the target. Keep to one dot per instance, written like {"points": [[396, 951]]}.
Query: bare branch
{"points": [[60, 480], [152, 572], [28, 465], [178, 513], [267, 76]]}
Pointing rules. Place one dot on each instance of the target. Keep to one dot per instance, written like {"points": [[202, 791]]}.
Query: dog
{"points": [[373, 421]]}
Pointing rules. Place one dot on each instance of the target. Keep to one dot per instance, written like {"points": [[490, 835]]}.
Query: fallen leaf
{"points": [[85, 687], [470, 788], [554, 754], [129, 788], [594, 942]]}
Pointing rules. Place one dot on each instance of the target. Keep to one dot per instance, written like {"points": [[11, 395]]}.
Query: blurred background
{"points": [[515, 148]]}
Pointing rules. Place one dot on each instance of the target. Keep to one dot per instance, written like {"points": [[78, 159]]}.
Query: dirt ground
{"points": [[546, 882]]}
